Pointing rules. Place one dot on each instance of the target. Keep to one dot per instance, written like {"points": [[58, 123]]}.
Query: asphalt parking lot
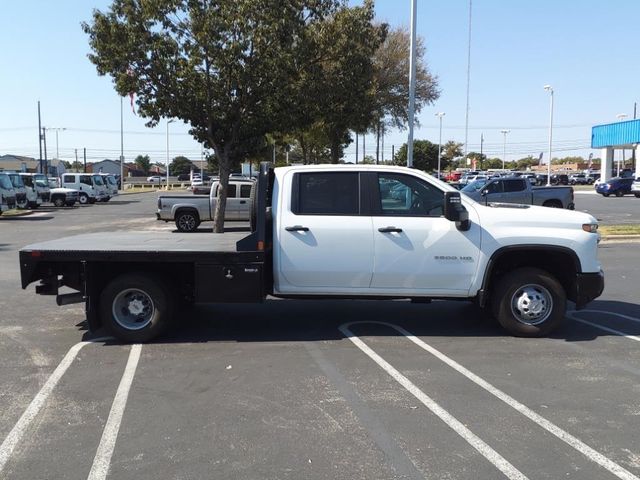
{"points": [[316, 390]]}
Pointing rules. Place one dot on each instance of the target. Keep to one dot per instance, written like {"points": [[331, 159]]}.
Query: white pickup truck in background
{"points": [[329, 231], [189, 211]]}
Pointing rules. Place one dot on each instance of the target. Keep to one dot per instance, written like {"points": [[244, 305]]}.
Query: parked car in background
{"points": [[580, 179], [559, 179], [53, 182], [156, 179], [616, 186], [7, 193], [635, 187], [519, 190], [62, 197], [21, 192]]}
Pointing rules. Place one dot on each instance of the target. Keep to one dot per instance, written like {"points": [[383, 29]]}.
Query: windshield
{"points": [[16, 180], [97, 180], [111, 180], [41, 180], [5, 182], [475, 186]]}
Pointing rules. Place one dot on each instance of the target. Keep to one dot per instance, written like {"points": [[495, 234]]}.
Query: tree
{"points": [[425, 155], [230, 69], [180, 165], [478, 158], [451, 150], [338, 84], [143, 162], [391, 82]]}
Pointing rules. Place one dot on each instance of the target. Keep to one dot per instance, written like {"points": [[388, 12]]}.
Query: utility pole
{"points": [[40, 138], [76, 164], [481, 145], [356, 148], [85, 160], [44, 139]]}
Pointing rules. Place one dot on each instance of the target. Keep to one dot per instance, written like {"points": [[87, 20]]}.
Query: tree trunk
{"points": [[378, 143], [224, 165], [335, 151]]}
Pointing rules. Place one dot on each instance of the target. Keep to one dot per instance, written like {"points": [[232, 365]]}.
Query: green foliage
{"points": [[180, 165], [143, 162], [425, 156], [451, 150]]}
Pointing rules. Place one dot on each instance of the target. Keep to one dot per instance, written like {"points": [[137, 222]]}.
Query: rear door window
{"points": [[326, 193], [515, 185]]}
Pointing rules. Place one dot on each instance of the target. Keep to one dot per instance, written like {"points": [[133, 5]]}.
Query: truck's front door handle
{"points": [[297, 228], [390, 230], [242, 202]]}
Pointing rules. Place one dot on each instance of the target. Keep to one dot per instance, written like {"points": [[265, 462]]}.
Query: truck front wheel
{"points": [[136, 307], [187, 221], [529, 302]]}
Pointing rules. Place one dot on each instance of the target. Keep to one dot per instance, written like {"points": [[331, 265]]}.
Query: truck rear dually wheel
{"points": [[529, 302], [136, 307]]}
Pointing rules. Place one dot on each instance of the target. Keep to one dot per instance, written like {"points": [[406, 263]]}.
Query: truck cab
{"points": [[110, 183], [90, 186], [7, 193], [22, 201]]}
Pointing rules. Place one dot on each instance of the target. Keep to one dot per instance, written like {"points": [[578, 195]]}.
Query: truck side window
{"points": [[516, 185], [231, 191], [334, 193], [86, 180], [69, 179], [245, 191], [494, 187], [404, 195]]}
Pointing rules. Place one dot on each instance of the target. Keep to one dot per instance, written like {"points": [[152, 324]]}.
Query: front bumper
{"points": [[589, 286]]}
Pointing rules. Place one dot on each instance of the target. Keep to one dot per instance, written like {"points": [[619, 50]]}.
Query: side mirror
{"points": [[484, 192], [454, 211]]}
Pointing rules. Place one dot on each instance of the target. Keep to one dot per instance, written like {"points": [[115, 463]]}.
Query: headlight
{"points": [[590, 227]]}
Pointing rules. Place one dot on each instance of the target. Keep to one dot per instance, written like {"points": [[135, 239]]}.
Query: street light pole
{"points": [[412, 82], [621, 117], [549, 89], [168, 122], [504, 147], [440, 115]]}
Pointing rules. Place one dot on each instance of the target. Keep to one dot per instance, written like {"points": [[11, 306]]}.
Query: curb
{"points": [[620, 239]]}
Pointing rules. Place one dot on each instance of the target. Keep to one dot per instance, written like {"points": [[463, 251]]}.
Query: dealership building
{"points": [[622, 136]]}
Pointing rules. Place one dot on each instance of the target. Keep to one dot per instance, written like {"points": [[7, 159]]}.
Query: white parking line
{"points": [[572, 316], [485, 450], [102, 460], [17, 432], [566, 437]]}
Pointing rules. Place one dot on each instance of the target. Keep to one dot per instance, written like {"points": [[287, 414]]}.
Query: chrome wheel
{"points": [[83, 199], [531, 304], [133, 309]]}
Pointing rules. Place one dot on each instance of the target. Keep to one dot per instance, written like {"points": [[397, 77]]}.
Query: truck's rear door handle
{"points": [[297, 228], [390, 230]]}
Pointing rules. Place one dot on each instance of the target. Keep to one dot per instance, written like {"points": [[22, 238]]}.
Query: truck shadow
{"points": [[315, 320]]}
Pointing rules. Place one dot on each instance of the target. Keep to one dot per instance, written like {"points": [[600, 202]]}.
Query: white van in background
{"points": [[90, 186], [111, 183], [35, 191], [21, 192], [7, 193]]}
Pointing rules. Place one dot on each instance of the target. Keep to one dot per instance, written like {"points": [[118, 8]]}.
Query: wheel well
{"points": [[178, 277], [559, 262], [188, 209], [552, 203]]}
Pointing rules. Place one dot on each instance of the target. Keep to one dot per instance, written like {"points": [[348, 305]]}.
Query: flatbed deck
{"points": [[142, 242]]}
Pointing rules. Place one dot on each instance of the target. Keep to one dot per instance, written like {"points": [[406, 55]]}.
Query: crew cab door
{"points": [[517, 190], [325, 243], [416, 250]]}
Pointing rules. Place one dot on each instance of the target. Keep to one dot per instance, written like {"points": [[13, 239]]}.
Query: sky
{"points": [[584, 49]]}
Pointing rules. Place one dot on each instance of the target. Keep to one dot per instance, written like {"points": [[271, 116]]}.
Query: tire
{"points": [[22, 205], [606, 194], [619, 193], [70, 204], [187, 221], [552, 204], [83, 199], [93, 200], [58, 202], [136, 307], [106, 199], [529, 302], [637, 195]]}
